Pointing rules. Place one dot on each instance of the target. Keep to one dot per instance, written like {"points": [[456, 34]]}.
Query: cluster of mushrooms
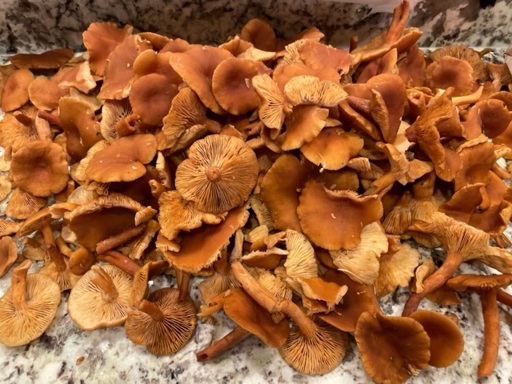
{"points": [[293, 181]]}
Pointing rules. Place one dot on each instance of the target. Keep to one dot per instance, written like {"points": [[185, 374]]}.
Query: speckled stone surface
{"points": [[31, 25], [108, 356]]}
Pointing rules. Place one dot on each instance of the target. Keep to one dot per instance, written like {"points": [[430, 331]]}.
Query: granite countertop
{"points": [[66, 354]]}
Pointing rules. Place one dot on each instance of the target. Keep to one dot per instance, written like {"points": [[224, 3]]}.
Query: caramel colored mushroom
{"points": [[15, 91]]}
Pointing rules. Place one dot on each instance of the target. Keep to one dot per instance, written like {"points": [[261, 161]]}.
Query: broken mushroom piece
{"points": [[101, 298], [311, 348], [219, 174], [392, 348], [162, 323], [28, 307]]}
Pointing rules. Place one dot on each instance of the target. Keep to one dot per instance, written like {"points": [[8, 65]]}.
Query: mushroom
{"points": [[15, 134], [40, 168], [28, 307], [487, 287], [218, 175], [8, 254], [311, 348], [260, 34], [53, 58], [100, 298], [403, 347], [123, 160], [162, 323], [15, 91], [446, 339], [335, 219]]}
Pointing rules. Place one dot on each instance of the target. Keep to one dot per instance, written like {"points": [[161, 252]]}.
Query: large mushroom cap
{"points": [[162, 323], [100, 298], [219, 174], [27, 307]]}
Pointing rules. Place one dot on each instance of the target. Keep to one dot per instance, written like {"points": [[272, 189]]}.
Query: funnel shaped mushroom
{"points": [[123, 160], [162, 323], [335, 219], [446, 339], [403, 347], [28, 307], [101, 298], [40, 168], [219, 174]]}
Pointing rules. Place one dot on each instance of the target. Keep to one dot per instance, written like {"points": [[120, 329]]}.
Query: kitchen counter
{"points": [[66, 354]]}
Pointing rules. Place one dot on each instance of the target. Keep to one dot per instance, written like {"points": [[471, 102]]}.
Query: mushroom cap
{"points": [[172, 332], [45, 92], [403, 346], [479, 282], [451, 72], [316, 355], [40, 168], [300, 261], [272, 102], [219, 174], [15, 91], [252, 317], [201, 247], [53, 58], [308, 89], [123, 160], [302, 126], [196, 66], [446, 338], [100, 39], [151, 96], [89, 308], [260, 34], [23, 204], [15, 134], [22, 325], [335, 219], [332, 148], [231, 84]]}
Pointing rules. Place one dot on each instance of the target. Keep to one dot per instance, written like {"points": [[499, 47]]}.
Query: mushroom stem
{"points": [[128, 125], [108, 290], [222, 345], [491, 331], [157, 188], [119, 239], [120, 260], [436, 280], [19, 284], [47, 233], [151, 309], [63, 246], [184, 286], [56, 257], [213, 174], [222, 264], [504, 298], [272, 304]]}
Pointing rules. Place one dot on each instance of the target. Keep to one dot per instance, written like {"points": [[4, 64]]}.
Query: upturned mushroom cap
{"points": [[15, 91], [101, 298], [403, 347], [312, 90], [272, 102], [320, 211], [15, 134], [219, 174], [302, 126], [162, 323], [28, 307], [40, 168], [446, 338], [317, 355], [123, 160], [252, 317], [196, 66]]}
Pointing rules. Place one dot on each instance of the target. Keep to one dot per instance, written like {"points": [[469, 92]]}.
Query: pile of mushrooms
{"points": [[291, 180]]}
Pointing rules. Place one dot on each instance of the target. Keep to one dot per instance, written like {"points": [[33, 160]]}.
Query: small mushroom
{"points": [[28, 307], [15, 91]]}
